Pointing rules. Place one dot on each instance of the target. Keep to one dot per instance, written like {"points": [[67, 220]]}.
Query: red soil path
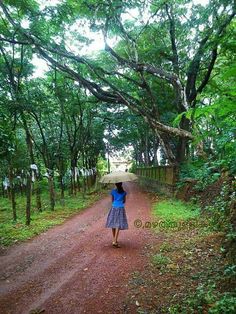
{"points": [[73, 268]]}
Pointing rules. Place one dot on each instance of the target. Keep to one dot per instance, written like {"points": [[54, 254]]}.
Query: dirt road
{"points": [[73, 268]]}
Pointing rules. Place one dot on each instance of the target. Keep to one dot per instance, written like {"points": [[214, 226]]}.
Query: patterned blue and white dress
{"points": [[117, 216]]}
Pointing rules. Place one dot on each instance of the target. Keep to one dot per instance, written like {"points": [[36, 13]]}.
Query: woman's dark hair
{"points": [[119, 187]]}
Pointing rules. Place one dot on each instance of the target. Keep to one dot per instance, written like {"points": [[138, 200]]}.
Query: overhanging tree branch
{"points": [[175, 58], [194, 67], [13, 41], [209, 70]]}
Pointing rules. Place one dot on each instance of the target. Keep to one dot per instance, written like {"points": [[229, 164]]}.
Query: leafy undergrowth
{"points": [[13, 232], [186, 272]]}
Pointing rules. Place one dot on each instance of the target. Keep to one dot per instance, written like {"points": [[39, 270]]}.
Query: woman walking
{"points": [[116, 218]]}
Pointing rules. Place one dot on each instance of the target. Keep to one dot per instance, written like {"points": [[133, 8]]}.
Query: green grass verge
{"points": [[12, 232], [174, 209]]}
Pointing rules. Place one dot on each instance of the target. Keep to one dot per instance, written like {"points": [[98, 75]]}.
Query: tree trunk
{"points": [[78, 184], [181, 150], [51, 192], [62, 187], [28, 199], [155, 148], [140, 157], [12, 192], [165, 145], [146, 150], [183, 142], [32, 160], [38, 194], [73, 185]]}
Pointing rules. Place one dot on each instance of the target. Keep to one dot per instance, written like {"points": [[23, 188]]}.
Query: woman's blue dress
{"points": [[117, 216]]}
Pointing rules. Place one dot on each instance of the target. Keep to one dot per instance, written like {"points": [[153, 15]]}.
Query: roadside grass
{"points": [[13, 232], [171, 215], [175, 216], [173, 209]]}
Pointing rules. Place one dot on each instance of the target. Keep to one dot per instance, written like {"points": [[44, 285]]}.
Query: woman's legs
{"points": [[114, 234]]}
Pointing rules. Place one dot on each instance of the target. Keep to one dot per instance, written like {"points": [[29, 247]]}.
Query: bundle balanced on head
{"points": [[116, 218]]}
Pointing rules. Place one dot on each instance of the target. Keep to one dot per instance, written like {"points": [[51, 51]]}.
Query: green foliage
{"points": [[160, 260], [204, 295], [220, 211], [133, 167], [204, 172], [207, 298], [102, 165], [166, 247], [230, 271], [214, 116], [226, 304]]}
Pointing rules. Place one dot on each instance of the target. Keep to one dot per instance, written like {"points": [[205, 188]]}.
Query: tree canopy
{"points": [[164, 78], [162, 60]]}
